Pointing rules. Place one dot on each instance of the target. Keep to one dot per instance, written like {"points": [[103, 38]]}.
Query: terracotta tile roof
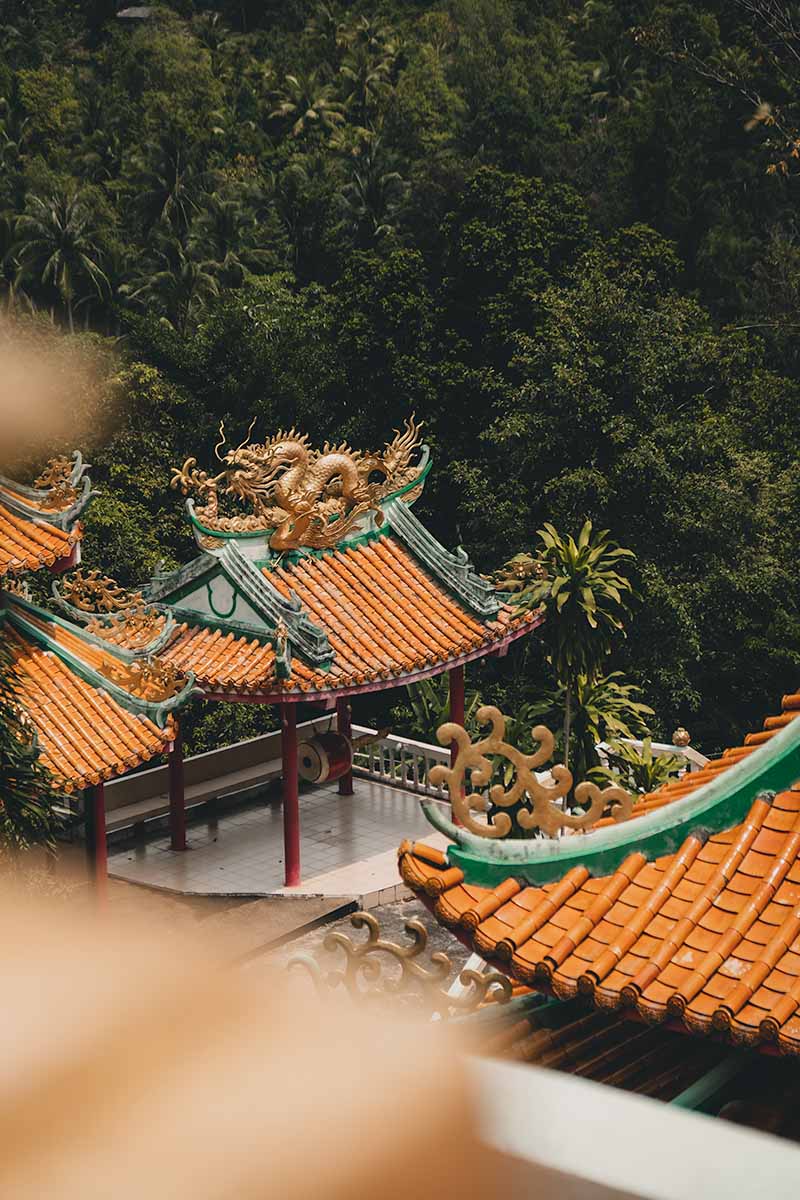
{"points": [[385, 616], [604, 1047], [708, 936], [26, 545], [692, 780], [85, 736]]}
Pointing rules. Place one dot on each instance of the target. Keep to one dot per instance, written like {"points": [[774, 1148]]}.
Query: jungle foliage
{"points": [[562, 231]]}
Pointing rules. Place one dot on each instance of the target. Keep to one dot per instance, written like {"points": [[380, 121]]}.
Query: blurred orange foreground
{"points": [[132, 1064]]}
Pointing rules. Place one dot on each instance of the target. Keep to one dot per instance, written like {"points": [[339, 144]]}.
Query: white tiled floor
{"points": [[242, 853]]}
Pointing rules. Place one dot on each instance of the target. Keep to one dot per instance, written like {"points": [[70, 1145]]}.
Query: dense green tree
{"points": [[564, 234], [57, 249], [26, 793]]}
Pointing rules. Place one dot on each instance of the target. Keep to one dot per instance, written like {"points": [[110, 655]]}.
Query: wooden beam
{"points": [[344, 726], [177, 798], [291, 797]]}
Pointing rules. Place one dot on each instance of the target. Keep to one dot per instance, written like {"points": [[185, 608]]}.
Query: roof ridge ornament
{"points": [[378, 970], [454, 568], [111, 612], [302, 496], [302, 634], [59, 494], [152, 679], [534, 802]]}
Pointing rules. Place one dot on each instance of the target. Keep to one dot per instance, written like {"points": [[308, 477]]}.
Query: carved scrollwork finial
{"points": [[378, 969], [535, 801]]}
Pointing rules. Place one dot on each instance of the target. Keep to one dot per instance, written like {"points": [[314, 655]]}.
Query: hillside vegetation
{"points": [[562, 233]]}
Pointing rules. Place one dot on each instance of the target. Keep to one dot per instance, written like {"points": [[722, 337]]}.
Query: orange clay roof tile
{"points": [[384, 615], [708, 936], [26, 545], [84, 735]]}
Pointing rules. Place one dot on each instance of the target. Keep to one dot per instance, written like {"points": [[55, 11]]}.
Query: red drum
{"points": [[323, 758]]}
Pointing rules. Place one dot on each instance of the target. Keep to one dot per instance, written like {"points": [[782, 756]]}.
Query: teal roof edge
{"points": [[715, 806]]}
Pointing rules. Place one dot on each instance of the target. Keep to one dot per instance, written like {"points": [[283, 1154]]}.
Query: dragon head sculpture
{"points": [[305, 497]]}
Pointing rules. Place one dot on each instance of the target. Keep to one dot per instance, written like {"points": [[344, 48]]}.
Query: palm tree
{"points": [[373, 197], [370, 33], [57, 248], [585, 601], [164, 182], [14, 133], [9, 266], [323, 30], [308, 104], [175, 284], [365, 81], [224, 233], [101, 151]]}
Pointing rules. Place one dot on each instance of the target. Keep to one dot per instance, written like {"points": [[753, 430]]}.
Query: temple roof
{"points": [[39, 525], [97, 711], [381, 607], [704, 933]]}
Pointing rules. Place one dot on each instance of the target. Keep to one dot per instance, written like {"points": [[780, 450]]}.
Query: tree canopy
{"points": [[562, 232]]}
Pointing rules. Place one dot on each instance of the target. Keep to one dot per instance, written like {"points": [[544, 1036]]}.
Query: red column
{"points": [[99, 847], [177, 802], [456, 703], [291, 799], [344, 725]]}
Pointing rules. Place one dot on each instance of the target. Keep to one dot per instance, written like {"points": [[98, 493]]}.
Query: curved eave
{"points": [[32, 503], [715, 806], [290, 693], [79, 617], [156, 711]]}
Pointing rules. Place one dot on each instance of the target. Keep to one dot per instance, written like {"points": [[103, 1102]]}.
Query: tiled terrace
{"points": [[348, 847]]}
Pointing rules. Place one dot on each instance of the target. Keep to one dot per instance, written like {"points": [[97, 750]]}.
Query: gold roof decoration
{"points": [[535, 801], [134, 627], [306, 497], [378, 970], [150, 679], [18, 587], [57, 479], [118, 615], [95, 593]]}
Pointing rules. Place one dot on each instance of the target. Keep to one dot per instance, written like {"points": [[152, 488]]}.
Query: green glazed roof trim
{"points": [[79, 617], [157, 712], [292, 557], [170, 586], [310, 640], [712, 808], [452, 568], [37, 497], [76, 628]]}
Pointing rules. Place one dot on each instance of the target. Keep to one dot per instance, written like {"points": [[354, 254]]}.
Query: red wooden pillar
{"points": [[456, 703], [98, 847], [344, 725], [291, 798], [177, 800]]}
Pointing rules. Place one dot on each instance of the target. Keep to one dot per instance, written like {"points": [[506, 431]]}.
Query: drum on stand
{"points": [[324, 758]]}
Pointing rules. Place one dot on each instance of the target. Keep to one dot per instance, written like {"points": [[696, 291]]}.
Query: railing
{"points": [[399, 762], [403, 762], [695, 761]]}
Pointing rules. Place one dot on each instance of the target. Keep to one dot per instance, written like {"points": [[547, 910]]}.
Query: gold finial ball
{"points": [[681, 737]]}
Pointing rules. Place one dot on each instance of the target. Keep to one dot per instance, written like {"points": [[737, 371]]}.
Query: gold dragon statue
{"points": [[307, 497]]}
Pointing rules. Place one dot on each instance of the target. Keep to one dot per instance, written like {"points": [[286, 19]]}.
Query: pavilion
{"points": [[328, 586], [314, 582], [97, 709]]}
